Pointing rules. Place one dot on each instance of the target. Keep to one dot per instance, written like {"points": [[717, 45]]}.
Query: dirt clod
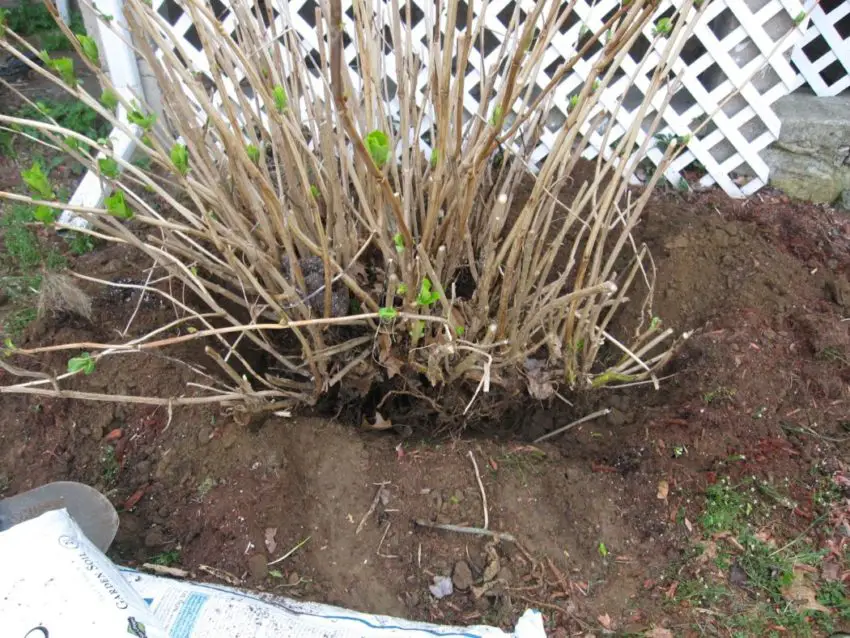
{"points": [[155, 538], [258, 567], [462, 576]]}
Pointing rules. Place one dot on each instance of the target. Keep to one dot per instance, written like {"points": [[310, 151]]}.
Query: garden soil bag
{"points": [[55, 583]]}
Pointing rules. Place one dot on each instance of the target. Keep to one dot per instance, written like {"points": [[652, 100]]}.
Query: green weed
{"points": [[15, 323], [22, 246], [109, 466], [524, 464], [726, 508], [718, 395], [171, 557], [31, 18], [80, 243]]}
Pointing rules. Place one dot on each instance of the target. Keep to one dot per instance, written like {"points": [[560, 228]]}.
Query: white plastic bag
{"points": [[55, 584]]}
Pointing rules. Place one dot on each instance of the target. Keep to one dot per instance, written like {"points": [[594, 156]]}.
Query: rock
{"points": [[808, 161], [141, 471], [505, 575], [462, 576], [616, 418], [837, 290], [258, 567], [843, 202], [204, 435], [155, 538], [293, 579]]}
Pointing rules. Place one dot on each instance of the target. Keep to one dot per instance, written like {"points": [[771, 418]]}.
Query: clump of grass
{"points": [[109, 466], [59, 293], [721, 394], [169, 558], [32, 18]]}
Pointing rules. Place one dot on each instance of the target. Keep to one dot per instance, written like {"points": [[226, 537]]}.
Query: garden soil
{"points": [[599, 514]]}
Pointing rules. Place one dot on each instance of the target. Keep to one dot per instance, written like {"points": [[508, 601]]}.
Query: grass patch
{"points": [[755, 583], [109, 466], [31, 18], [169, 558], [524, 462], [721, 394]]}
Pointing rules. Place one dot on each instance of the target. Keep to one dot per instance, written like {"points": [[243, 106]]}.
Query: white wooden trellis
{"points": [[727, 79], [823, 53]]}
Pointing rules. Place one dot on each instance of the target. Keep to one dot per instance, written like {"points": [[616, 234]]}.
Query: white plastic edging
{"points": [[123, 70], [64, 10]]}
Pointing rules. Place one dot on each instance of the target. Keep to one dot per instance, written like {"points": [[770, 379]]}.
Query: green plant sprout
{"points": [[83, 363], [180, 158], [378, 145], [426, 296]]}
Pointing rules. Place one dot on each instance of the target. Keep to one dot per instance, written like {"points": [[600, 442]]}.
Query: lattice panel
{"points": [[823, 54], [730, 72]]}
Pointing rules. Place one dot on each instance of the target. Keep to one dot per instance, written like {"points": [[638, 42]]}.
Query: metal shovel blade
{"points": [[91, 510]]}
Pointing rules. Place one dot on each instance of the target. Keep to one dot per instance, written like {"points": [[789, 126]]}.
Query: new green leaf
{"points": [[398, 240], [378, 145], [663, 26], [35, 178], [253, 153], [44, 214], [117, 206], [108, 167], [496, 118], [426, 296], [89, 47], [140, 119], [83, 363], [387, 314], [180, 158], [281, 100], [65, 68], [109, 99]]}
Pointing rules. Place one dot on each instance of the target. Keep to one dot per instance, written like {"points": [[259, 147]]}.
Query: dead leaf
{"points": [[658, 632], [492, 569], [540, 389], [671, 590], [604, 620], [271, 545], [380, 423], [802, 594], [709, 552], [663, 489], [830, 571]]}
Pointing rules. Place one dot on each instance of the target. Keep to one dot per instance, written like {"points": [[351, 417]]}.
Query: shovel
{"points": [[90, 509]]}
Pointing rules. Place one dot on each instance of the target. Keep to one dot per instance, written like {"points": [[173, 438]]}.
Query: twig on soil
{"points": [[481, 487], [378, 551], [215, 572], [465, 530], [164, 570], [802, 429], [583, 419], [290, 552], [372, 507]]}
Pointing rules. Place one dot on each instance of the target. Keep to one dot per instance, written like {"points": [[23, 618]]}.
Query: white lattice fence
{"points": [[736, 65], [823, 54]]}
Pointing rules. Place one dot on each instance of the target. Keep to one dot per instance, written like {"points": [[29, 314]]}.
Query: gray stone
{"points": [[811, 158], [462, 576], [258, 567], [843, 201]]}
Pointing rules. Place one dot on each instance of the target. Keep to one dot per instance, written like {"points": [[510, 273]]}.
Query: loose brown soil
{"points": [[760, 389]]}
